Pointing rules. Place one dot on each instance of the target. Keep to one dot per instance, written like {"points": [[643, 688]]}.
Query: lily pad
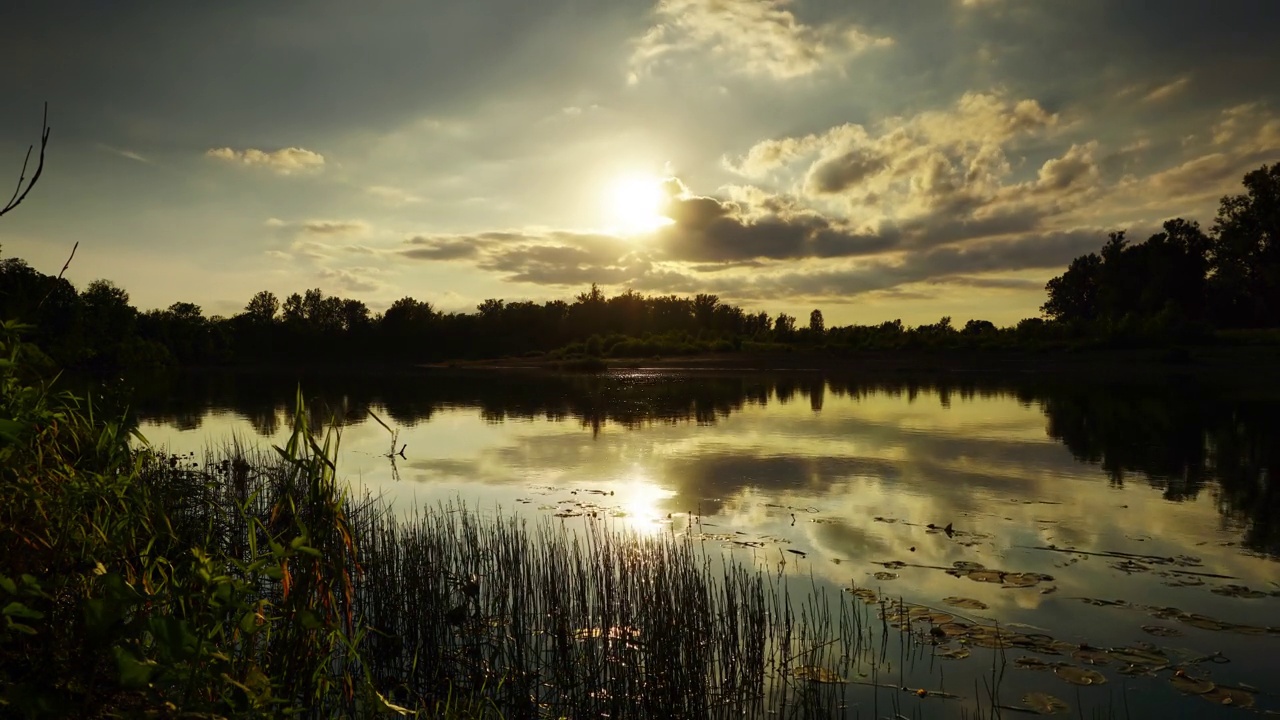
{"points": [[1161, 631], [968, 565], [1139, 656], [1103, 603], [954, 653], [1079, 676], [1044, 703], [953, 629], [882, 575], [986, 576], [866, 595], [1185, 683], [965, 603], [1020, 580], [1027, 662], [1092, 656], [1201, 621], [991, 637], [1239, 591], [816, 674], [1229, 696]]}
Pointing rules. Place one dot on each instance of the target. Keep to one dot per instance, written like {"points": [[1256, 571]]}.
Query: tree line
{"points": [[1182, 278], [1178, 285]]}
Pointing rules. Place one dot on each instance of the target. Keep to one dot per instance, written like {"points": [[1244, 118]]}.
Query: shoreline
{"points": [[1248, 363]]}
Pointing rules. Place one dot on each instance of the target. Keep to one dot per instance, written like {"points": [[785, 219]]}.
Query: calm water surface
{"points": [[1126, 499]]}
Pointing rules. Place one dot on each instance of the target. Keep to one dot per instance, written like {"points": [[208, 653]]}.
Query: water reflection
{"points": [[1153, 496], [1187, 442]]}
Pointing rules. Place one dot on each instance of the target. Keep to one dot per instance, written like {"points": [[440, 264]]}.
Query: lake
{"points": [[1128, 531]]}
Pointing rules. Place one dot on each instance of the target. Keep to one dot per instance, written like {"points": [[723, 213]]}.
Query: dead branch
{"points": [[19, 193]]}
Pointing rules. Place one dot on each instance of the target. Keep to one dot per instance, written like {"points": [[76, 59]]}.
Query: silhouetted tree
{"points": [[1073, 296], [1246, 253], [262, 308], [816, 324]]}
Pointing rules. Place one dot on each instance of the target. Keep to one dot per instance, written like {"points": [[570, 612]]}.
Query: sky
{"points": [[877, 159]]}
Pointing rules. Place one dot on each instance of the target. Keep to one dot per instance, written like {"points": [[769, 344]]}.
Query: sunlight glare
{"points": [[635, 203], [642, 500]]}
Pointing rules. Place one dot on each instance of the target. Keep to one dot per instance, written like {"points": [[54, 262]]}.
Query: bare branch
{"points": [[54, 286], [67, 264], [20, 194]]}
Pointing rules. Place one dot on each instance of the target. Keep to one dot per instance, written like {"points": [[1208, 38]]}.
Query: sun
{"points": [[635, 203]]}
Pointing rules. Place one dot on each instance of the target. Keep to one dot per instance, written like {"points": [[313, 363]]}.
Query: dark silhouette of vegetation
{"points": [[1181, 282]]}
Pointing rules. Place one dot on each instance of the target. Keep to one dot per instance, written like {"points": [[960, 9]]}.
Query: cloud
{"points": [[440, 248], [1250, 125], [128, 154], [957, 265], [755, 37], [1164, 92], [541, 257], [353, 279], [976, 126], [393, 196], [285, 161], [333, 227]]}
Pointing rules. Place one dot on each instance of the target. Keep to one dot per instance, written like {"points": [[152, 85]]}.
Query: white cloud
{"points": [[757, 37], [285, 161]]}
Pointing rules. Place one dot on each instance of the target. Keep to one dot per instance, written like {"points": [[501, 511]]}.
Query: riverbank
{"points": [[1248, 363]]}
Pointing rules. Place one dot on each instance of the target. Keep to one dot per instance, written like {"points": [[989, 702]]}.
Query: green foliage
{"points": [[131, 585]]}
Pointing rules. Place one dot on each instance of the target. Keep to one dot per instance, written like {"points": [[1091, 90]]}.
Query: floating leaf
{"points": [[1239, 591], [1201, 621], [1161, 631], [1103, 603], [986, 576], [1091, 656], [1235, 697], [965, 603], [1079, 676], [866, 595], [1044, 703], [967, 565], [1026, 662], [953, 629], [954, 653], [1185, 683], [1021, 579], [990, 637], [1139, 656], [816, 674], [882, 575], [1246, 629]]}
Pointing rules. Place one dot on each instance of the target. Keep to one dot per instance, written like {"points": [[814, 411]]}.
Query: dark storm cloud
{"points": [[708, 230], [940, 265]]}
